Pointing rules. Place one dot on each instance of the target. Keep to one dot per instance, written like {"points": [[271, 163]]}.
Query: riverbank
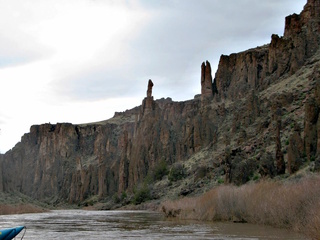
{"points": [[292, 204], [17, 203], [6, 209]]}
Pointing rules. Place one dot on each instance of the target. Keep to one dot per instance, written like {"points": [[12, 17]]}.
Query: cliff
{"points": [[259, 117], [259, 67]]}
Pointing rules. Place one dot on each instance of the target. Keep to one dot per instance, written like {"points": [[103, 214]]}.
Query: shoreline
{"points": [[290, 204], [22, 208]]}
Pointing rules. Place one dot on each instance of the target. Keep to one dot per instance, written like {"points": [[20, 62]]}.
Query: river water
{"points": [[80, 224]]}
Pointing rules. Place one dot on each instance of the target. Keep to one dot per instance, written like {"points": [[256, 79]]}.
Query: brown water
{"points": [[79, 224]]}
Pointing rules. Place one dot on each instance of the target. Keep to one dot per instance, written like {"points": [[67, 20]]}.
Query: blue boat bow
{"points": [[10, 233]]}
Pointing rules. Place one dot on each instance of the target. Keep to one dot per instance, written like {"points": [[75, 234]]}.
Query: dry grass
{"points": [[6, 209], [293, 204]]}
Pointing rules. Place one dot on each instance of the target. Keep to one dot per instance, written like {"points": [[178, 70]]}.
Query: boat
{"points": [[10, 233]]}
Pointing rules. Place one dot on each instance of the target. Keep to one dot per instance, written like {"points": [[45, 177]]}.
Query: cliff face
{"points": [[260, 116], [257, 68], [74, 162], [61, 161]]}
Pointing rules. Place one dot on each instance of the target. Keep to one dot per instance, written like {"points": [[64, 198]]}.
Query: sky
{"points": [[80, 61]]}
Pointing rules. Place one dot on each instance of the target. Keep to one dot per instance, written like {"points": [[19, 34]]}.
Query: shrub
{"points": [[293, 204], [220, 180], [256, 177], [200, 173], [176, 172], [141, 195], [304, 154], [116, 199], [123, 196], [160, 170], [312, 158], [149, 179]]}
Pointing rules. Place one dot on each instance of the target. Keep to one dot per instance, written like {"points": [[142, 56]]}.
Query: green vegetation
{"points": [[176, 173], [220, 180], [302, 96], [160, 170], [287, 142], [123, 196], [255, 177], [141, 194], [118, 199], [157, 173], [91, 200], [304, 154]]}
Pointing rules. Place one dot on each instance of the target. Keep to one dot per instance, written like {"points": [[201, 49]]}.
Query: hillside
{"points": [[257, 118]]}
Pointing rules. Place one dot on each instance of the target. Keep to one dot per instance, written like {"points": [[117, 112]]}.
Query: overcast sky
{"points": [[80, 61]]}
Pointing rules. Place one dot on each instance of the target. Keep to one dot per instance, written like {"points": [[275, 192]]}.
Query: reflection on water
{"points": [[79, 224]]}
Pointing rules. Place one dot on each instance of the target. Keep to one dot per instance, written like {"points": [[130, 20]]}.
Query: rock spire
{"points": [[150, 86], [206, 82], [148, 102]]}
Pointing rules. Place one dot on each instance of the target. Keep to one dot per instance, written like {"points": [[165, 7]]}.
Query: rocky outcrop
{"points": [[266, 165], [310, 129], [280, 164], [148, 103], [149, 91], [312, 123], [238, 168], [239, 73], [206, 83], [258, 68], [65, 162], [317, 100], [295, 151]]}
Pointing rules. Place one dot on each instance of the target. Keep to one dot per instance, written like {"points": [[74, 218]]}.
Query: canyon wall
{"points": [[74, 162], [257, 68], [243, 123]]}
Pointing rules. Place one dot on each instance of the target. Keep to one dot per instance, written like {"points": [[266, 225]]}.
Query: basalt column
{"points": [[148, 102], [206, 83]]}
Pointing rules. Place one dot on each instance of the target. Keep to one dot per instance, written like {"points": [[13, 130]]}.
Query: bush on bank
{"points": [[293, 204]]}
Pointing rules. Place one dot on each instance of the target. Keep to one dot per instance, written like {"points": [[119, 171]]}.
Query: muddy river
{"points": [[79, 224]]}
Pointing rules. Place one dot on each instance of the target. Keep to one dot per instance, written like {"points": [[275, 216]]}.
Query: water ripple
{"points": [[79, 224]]}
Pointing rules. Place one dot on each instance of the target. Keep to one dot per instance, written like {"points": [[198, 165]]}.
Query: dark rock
{"points": [[280, 164], [206, 83], [257, 68], [266, 165], [150, 86], [310, 127], [295, 152]]}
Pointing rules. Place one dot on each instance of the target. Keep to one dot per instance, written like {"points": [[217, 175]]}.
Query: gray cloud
{"points": [[99, 84]]}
